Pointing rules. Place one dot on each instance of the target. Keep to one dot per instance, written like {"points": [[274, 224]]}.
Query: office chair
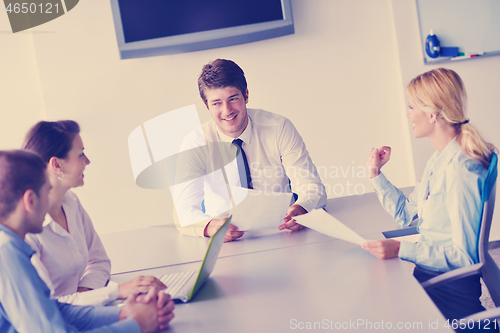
{"points": [[486, 265]]}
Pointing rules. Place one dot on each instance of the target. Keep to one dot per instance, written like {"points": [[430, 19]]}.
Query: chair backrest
{"points": [[488, 195]]}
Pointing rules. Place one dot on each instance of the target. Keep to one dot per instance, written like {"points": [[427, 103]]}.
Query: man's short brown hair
{"points": [[19, 171], [221, 73]]}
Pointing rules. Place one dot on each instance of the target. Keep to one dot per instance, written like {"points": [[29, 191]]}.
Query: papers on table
{"points": [[323, 222], [257, 210]]}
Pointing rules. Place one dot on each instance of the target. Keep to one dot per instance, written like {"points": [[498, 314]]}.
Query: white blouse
{"points": [[66, 261]]}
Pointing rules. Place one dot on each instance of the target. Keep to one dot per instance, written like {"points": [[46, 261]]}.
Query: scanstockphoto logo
{"points": [[28, 14]]}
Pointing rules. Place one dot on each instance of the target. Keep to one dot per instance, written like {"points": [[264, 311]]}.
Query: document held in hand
{"points": [[258, 210], [323, 222]]}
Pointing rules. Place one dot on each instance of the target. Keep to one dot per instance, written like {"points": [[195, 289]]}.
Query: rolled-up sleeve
{"points": [[403, 209]]}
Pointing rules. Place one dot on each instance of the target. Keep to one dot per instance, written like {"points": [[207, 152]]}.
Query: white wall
{"points": [[337, 78], [21, 101], [481, 78]]}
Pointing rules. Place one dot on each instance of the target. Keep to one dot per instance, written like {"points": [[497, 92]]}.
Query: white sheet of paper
{"points": [[257, 210], [323, 222]]}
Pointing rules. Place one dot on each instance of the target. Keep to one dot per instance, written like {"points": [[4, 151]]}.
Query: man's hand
{"points": [[383, 249], [164, 305], [215, 224], [290, 223], [378, 158], [139, 284], [145, 314]]}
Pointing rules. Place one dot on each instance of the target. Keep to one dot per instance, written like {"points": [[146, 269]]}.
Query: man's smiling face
{"points": [[228, 109]]}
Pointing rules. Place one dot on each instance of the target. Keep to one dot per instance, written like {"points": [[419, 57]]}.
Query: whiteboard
{"points": [[471, 25]]}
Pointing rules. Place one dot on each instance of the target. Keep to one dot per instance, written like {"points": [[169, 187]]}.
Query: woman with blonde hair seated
{"points": [[70, 257], [447, 200]]}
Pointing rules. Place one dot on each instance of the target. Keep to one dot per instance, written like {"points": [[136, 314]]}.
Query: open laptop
{"points": [[184, 285]]}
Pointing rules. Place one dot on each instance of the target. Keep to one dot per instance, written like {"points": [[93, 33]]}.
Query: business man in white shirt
{"points": [[275, 154]]}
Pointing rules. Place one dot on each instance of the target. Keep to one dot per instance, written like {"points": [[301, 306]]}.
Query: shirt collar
{"points": [[47, 220], [56, 228], [17, 241], [68, 210], [245, 136], [440, 161]]}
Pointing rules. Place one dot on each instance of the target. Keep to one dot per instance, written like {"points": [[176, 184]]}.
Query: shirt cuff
{"points": [[309, 205], [380, 183], [306, 205], [112, 288], [200, 230], [408, 251], [128, 325], [107, 313], [95, 280], [196, 229]]}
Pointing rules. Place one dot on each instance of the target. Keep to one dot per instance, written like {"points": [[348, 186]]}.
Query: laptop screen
{"points": [[213, 250]]}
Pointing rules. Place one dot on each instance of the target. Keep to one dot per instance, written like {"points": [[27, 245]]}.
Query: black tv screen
{"points": [[154, 27]]}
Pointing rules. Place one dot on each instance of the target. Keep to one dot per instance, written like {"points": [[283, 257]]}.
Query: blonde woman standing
{"points": [[447, 200]]}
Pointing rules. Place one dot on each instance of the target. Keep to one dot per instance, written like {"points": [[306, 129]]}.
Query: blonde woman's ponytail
{"points": [[473, 144]]}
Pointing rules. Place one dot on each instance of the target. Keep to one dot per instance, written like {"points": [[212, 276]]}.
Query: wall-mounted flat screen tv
{"points": [[147, 28]]}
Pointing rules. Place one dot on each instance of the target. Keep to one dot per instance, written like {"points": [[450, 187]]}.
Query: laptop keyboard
{"points": [[175, 281]]}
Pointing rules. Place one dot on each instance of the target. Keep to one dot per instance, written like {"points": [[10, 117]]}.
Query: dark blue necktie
{"points": [[243, 169]]}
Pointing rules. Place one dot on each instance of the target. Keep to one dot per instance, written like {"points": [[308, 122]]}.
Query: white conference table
{"points": [[283, 281], [163, 245]]}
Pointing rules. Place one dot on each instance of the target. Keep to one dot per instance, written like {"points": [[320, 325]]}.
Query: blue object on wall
{"points": [[432, 46], [449, 52], [434, 49]]}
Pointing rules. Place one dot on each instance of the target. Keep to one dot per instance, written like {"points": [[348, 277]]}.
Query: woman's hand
{"points": [[139, 284], [383, 249], [378, 158]]}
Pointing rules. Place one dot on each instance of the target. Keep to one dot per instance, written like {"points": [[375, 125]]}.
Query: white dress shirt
{"points": [[275, 152], [68, 260], [448, 203]]}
